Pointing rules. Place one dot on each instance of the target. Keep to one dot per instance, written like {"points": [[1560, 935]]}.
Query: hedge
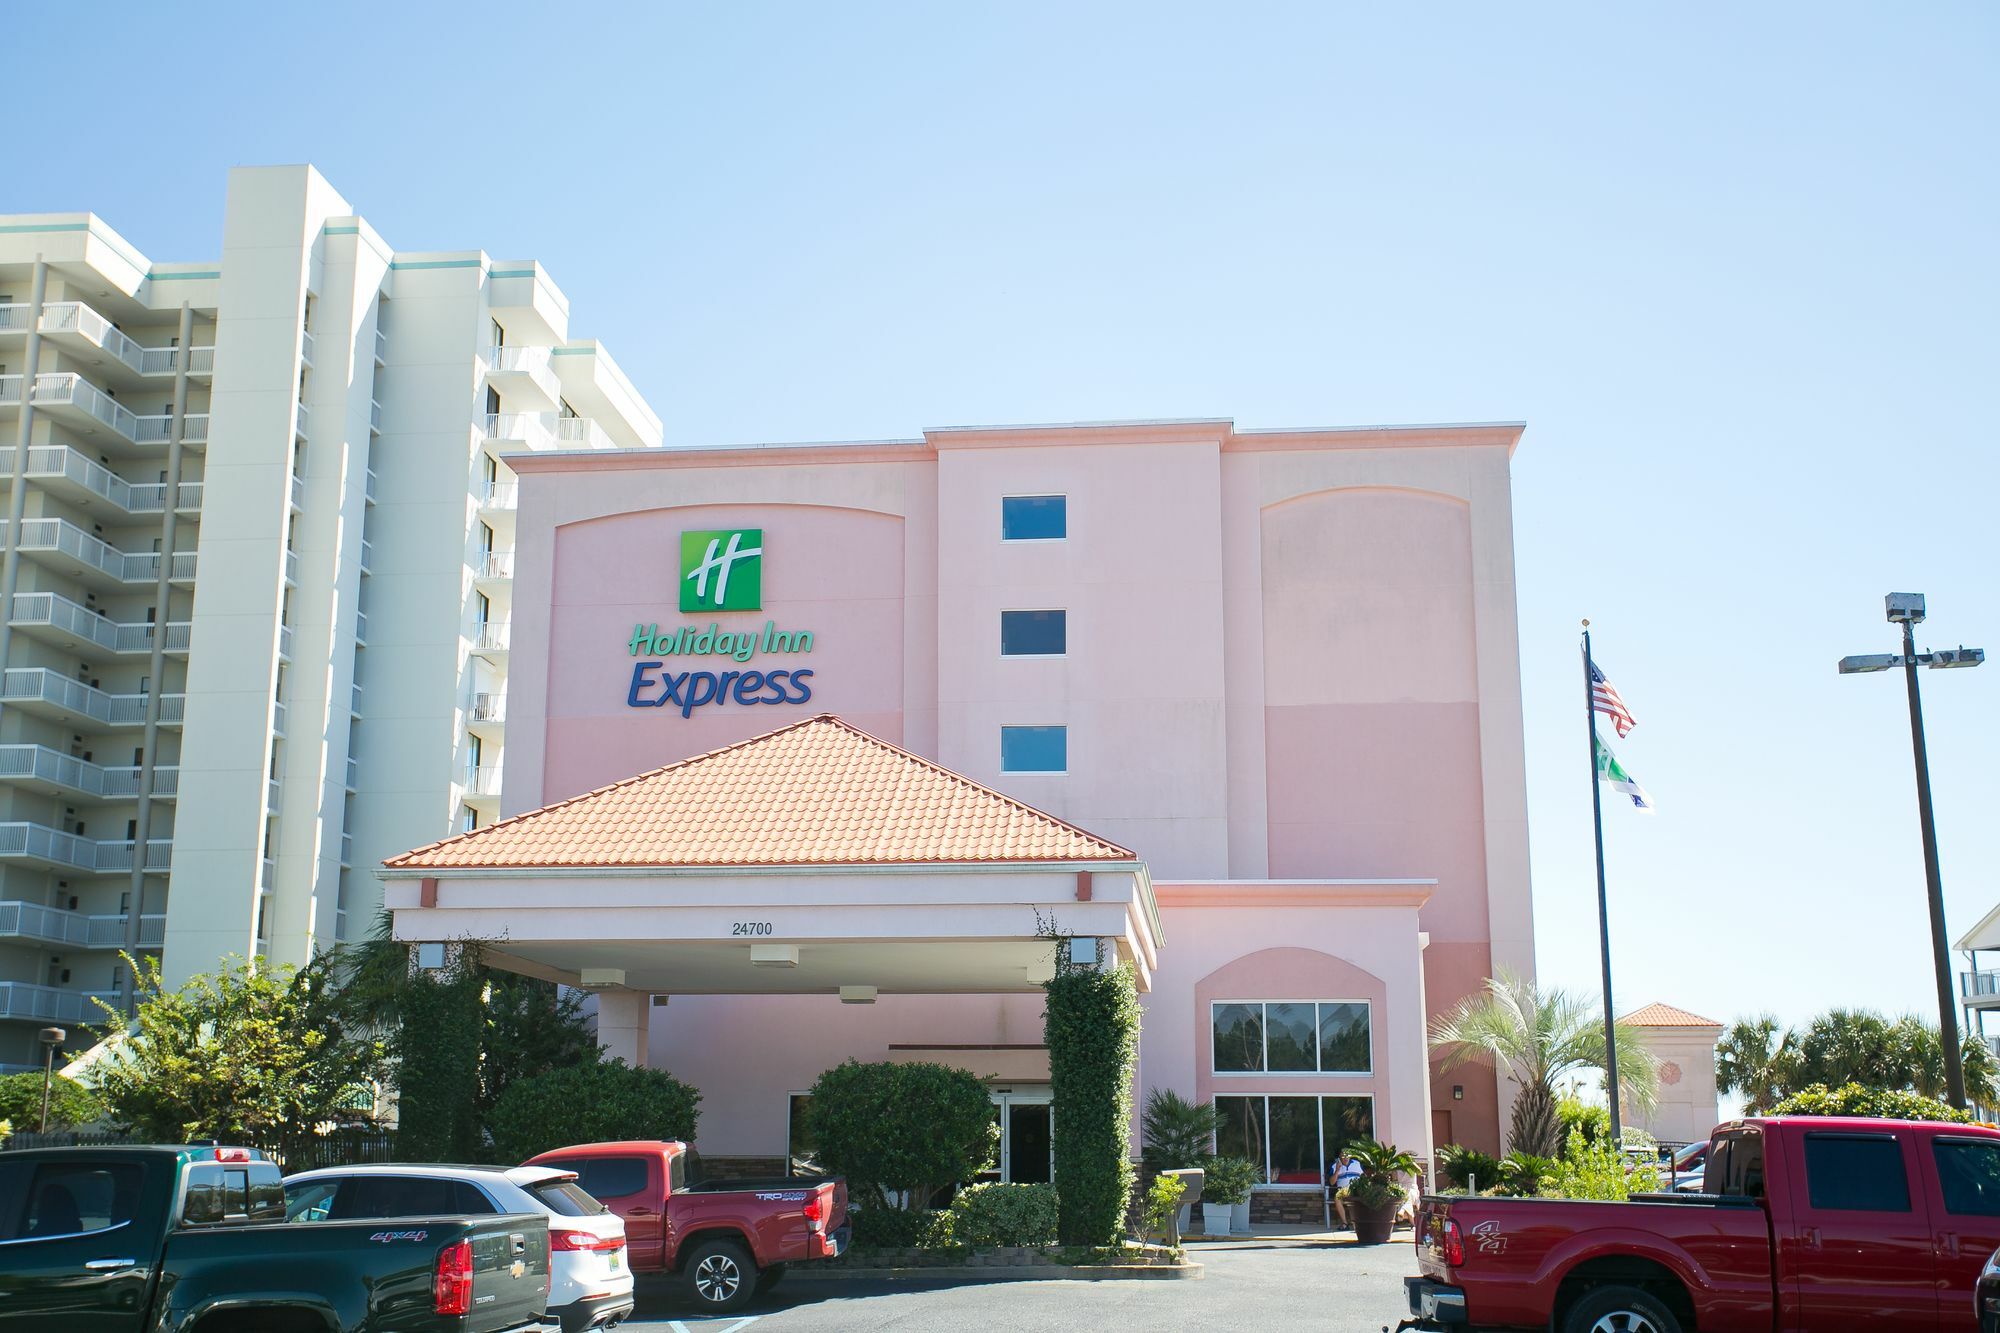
{"points": [[591, 1104], [901, 1129], [1092, 1029], [437, 1078], [1855, 1099], [999, 1214]]}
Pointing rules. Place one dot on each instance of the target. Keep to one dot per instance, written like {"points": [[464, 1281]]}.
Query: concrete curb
{"points": [[1186, 1272]]}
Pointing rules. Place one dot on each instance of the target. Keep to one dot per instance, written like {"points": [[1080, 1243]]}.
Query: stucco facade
{"points": [[1286, 677]]}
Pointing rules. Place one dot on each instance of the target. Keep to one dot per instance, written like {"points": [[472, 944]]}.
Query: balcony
{"points": [[354, 698], [267, 874], [50, 694], [301, 421], [367, 555], [487, 716], [381, 347], [298, 491], [1980, 990], [51, 1004], [62, 546], [346, 850], [292, 568], [499, 496], [285, 642], [80, 329], [76, 930], [353, 773], [272, 791], [482, 782], [490, 641], [494, 567], [523, 373], [374, 417], [83, 481], [160, 429], [71, 626], [305, 347], [40, 768], [360, 629], [506, 432], [26, 841], [368, 487]]}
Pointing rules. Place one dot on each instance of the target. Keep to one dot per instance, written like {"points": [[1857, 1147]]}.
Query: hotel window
{"points": [[1291, 1037], [1034, 749], [1034, 518], [1034, 633], [1291, 1139]]}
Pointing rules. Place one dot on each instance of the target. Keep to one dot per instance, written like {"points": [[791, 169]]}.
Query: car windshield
{"points": [[563, 1196]]}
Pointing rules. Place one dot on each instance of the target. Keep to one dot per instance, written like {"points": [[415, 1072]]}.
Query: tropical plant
{"points": [[1229, 1180], [1467, 1168], [1176, 1132], [1538, 1037], [1090, 1023], [1004, 1214], [1383, 1166], [70, 1103], [255, 1055], [1595, 1170], [901, 1132], [1756, 1059], [591, 1103], [1525, 1174], [1853, 1099]]}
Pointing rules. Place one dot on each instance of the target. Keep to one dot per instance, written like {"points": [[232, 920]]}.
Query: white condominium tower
{"points": [[257, 565]]}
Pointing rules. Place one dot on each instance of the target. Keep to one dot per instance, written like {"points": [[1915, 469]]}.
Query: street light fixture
{"points": [[1907, 609], [52, 1039]]}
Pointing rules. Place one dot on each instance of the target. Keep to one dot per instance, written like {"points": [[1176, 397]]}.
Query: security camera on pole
{"points": [[1600, 697], [1907, 609]]}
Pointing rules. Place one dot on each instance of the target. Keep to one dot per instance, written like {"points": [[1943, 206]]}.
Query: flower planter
{"points": [[1239, 1218], [1373, 1225]]}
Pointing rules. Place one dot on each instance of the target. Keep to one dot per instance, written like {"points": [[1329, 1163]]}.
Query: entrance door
{"points": [[1026, 1145]]}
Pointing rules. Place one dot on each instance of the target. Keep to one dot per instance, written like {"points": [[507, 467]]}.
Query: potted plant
{"points": [[1378, 1192], [1177, 1133], [1225, 1196]]}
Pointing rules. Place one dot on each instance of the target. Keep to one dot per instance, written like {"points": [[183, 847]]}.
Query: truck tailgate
{"points": [[510, 1273]]}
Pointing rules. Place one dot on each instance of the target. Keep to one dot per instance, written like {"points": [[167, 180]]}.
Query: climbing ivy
{"points": [[1091, 1026]]}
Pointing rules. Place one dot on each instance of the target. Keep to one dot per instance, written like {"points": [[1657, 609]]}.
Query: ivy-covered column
{"points": [[1091, 1026], [437, 1046]]}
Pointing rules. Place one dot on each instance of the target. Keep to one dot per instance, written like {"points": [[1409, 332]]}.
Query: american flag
{"points": [[1604, 698]]}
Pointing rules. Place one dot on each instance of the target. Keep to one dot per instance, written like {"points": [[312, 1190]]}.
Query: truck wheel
{"points": [[770, 1278], [722, 1276], [1620, 1310]]}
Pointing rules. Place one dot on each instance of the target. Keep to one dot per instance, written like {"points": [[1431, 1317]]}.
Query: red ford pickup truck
{"points": [[730, 1240], [1804, 1225]]}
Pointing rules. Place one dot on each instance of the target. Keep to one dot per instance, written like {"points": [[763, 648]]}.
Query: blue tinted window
{"points": [[1034, 749], [1034, 633], [1031, 518]]}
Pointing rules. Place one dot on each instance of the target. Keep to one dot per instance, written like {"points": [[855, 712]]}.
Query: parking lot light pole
{"points": [[1907, 609]]}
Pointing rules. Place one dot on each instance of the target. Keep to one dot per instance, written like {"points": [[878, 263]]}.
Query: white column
{"points": [[622, 1020]]}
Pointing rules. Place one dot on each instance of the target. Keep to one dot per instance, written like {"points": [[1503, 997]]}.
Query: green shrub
{"points": [[1467, 1168], [884, 1228], [1228, 1180], [1524, 1174], [70, 1103], [909, 1129], [590, 1104], [1005, 1215], [1853, 1099], [1383, 1166], [1597, 1171], [1574, 1116], [1091, 1027], [1163, 1200]]}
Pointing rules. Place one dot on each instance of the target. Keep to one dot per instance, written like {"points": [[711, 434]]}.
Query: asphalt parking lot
{"points": [[1248, 1285]]}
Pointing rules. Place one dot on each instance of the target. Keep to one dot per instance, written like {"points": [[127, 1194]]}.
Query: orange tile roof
{"points": [[1666, 1016], [817, 792]]}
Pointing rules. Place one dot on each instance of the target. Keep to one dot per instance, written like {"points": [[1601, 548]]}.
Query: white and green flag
{"points": [[1611, 771]]}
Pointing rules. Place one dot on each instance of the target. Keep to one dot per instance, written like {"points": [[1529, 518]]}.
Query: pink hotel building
{"points": [[1244, 707]]}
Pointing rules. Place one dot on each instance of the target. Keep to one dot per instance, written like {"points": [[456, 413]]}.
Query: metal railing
{"points": [[500, 494], [367, 555], [488, 708], [39, 763], [292, 568], [159, 429], [361, 628], [1979, 985], [545, 430], [76, 317], [298, 491], [497, 565], [304, 419], [381, 345], [285, 642], [375, 416], [305, 347], [353, 773], [25, 1000], [277, 719], [38, 842], [52, 924], [581, 433], [368, 487], [492, 637], [272, 791], [61, 614], [60, 536], [40, 685], [481, 780], [518, 361]]}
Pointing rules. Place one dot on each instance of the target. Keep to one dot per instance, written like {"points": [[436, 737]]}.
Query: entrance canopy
{"points": [[813, 859]]}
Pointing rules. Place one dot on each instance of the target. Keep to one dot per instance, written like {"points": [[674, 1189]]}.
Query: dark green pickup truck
{"points": [[193, 1240]]}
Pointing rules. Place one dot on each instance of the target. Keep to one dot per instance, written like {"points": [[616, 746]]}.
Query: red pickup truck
{"points": [[1804, 1224], [730, 1240]]}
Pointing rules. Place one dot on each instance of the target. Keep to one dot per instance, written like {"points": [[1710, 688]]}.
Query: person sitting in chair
{"points": [[1343, 1171]]}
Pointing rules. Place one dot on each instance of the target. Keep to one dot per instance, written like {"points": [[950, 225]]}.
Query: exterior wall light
{"points": [[774, 955]]}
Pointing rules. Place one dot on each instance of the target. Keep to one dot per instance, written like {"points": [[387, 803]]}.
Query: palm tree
{"points": [[1758, 1058], [1920, 1054], [1538, 1037], [1177, 1132]]}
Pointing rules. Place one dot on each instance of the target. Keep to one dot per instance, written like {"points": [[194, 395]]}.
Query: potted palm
{"points": [[1225, 1196], [1378, 1191], [1177, 1133]]}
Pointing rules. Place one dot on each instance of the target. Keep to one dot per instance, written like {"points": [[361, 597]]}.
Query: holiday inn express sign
{"points": [[719, 571]]}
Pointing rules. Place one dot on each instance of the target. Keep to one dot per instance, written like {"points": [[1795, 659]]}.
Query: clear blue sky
{"points": [[1736, 270]]}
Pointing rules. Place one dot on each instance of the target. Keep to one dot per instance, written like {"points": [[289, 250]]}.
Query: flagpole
{"points": [[1603, 907]]}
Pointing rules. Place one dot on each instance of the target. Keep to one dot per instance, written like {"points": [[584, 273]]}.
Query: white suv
{"points": [[590, 1279]]}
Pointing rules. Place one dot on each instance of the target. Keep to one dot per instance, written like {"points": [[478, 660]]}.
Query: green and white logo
{"points": [[722, 571]]}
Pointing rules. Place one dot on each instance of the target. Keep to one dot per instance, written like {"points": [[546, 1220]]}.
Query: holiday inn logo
{"points": [[722, 571]]}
